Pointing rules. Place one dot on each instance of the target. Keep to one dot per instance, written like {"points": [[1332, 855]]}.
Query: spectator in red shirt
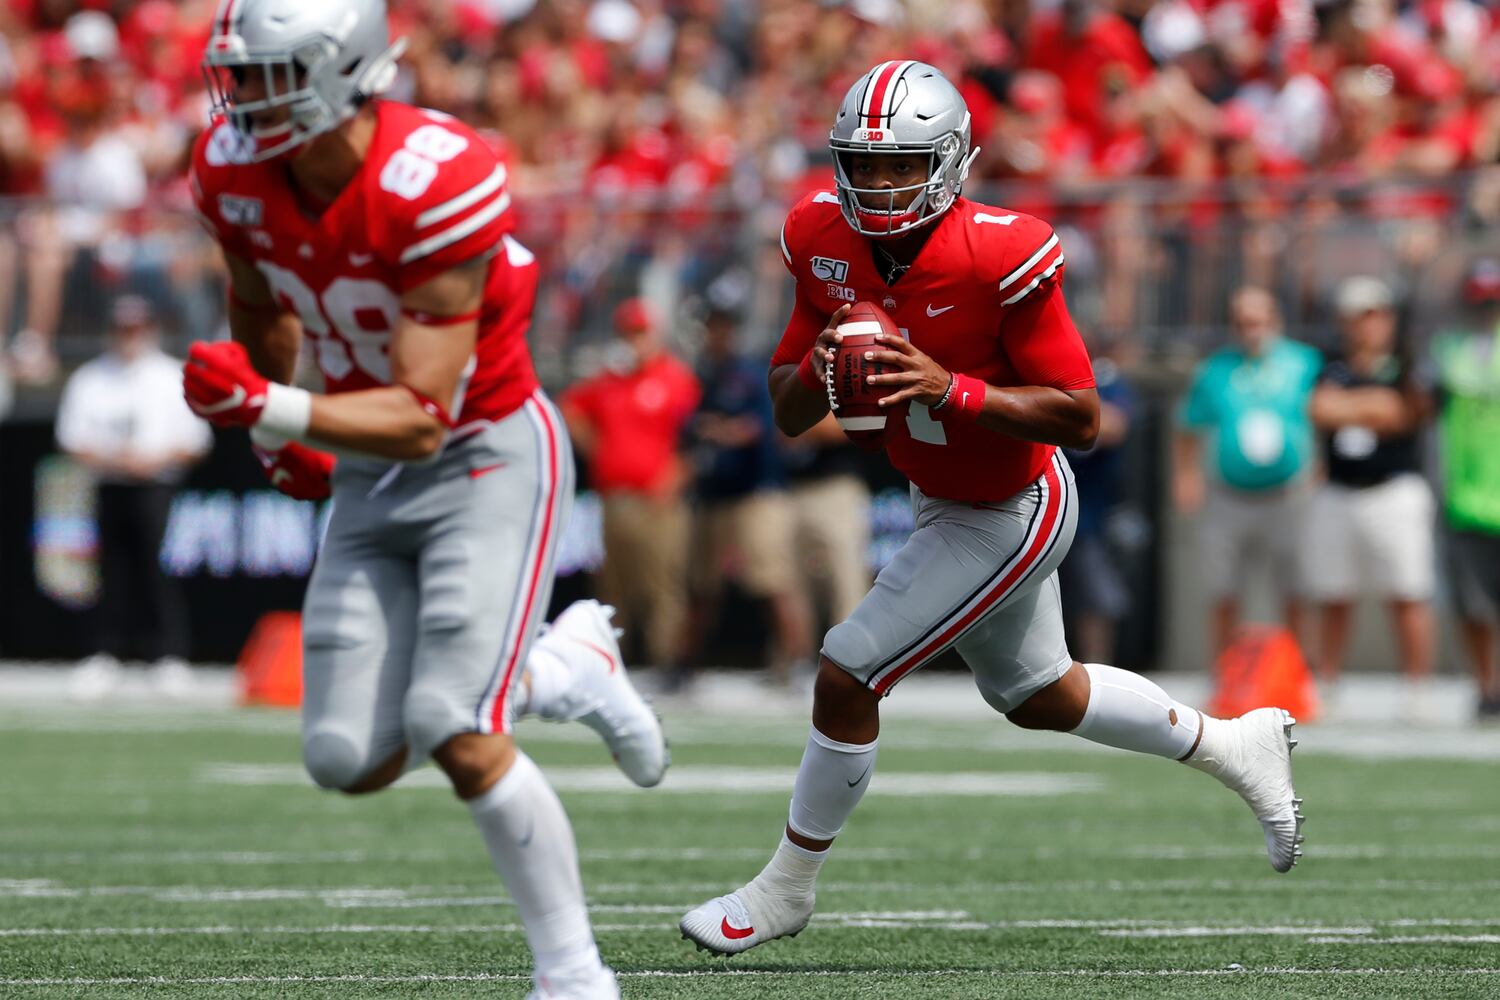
{"points": [[1093, 52], [627, 423]]}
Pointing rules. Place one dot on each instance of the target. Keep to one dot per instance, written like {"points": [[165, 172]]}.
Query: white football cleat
{"points": [[602, 696], [599, 984], [728, 925], [1253, 755]]}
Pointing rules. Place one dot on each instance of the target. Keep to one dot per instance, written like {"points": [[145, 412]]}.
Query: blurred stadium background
{"points": [[1182, 147]]}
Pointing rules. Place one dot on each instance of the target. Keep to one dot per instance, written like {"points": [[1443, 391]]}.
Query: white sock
{"points": [[548, 677], [1128, 711], [531, 844], [792, 870], [831, 780]]}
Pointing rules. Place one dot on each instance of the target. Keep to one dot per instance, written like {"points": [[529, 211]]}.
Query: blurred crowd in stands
{"points": [[687, 125]]}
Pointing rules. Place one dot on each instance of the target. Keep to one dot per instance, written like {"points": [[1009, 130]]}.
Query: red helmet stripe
{"points": [[881, 92], [226, 16], [869, 89]]}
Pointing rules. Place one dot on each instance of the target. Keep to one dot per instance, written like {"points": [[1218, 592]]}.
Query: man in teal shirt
{"points": [[1467, 362], [1249, 404]]}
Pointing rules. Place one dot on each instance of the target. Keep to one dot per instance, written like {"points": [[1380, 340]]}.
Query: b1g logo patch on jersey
{"points": [[239, 211], [828, 269], [841, 292]]}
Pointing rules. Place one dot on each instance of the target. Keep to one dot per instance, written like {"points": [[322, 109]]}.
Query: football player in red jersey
{"points": [[381, 233], [992, 378]]}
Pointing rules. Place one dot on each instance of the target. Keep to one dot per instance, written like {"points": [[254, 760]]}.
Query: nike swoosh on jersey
{"points": [[732, 932], [936, 312], [361, 259], [485, 470]]}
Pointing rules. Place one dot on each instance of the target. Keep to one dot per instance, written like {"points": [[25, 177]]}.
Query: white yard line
{"points": [[956, 920], [724, 973], [715, 780]]}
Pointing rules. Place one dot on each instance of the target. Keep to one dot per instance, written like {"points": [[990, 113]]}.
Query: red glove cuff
{"points": [[966, 401], [432, 406], [807, 374]]}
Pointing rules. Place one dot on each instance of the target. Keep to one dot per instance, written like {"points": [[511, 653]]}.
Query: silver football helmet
{"points": [[902, 106], [319, 59]]}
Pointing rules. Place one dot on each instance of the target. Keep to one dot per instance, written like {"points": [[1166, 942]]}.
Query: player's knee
{"points": [[333, 760], [431, 721], [473, 762], [835, 683], [851, 646]]}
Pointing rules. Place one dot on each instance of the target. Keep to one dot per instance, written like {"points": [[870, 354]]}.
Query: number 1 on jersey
{"points": [[919, 422]]}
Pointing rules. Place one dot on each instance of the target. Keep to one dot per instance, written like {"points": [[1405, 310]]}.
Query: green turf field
{"points": [[182, 854]]}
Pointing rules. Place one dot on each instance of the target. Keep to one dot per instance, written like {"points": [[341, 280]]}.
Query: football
{"points": [[854, 401]]}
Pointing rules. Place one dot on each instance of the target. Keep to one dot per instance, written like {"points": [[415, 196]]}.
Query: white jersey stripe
{"points": [[784, 251], [1021, 271], [473, 196], [1035, 281], [453, 234]]}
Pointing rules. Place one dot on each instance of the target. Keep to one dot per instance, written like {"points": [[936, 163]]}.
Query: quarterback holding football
{"points": [[378, 237], [973, 376]]}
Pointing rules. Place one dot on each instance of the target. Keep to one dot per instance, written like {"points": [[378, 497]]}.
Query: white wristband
{"points": [[287, 412]]}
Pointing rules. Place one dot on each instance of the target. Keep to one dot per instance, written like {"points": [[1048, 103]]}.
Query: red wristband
{"points": [[967, 400], [809, 375]]}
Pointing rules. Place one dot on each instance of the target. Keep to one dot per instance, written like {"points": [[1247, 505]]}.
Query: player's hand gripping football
{"points": [[221, 386], [300, 472], [828, 340], [920, 379]]}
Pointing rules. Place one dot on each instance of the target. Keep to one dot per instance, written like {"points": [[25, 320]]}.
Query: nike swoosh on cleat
{"points": [[485, 470], [931, 312], [607, 658], [734, 933]]}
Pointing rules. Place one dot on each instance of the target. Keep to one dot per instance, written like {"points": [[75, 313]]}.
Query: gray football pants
{"points": [[428, 589], [978, 577]]}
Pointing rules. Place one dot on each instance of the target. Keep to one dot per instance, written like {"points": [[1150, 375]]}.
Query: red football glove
{"points": [[300, 472], [221, 386]]}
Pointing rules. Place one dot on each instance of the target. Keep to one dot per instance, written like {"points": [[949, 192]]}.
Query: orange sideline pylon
{"points": [[1263, 668], [270, 668]]}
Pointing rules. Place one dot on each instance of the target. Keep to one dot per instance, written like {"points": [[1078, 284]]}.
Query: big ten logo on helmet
{"points": [[841, 292], [873, 135], [238, 211], [829, 269]]}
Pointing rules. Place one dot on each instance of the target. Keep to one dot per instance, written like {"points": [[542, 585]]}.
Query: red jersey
{"points": [[430, 196], [983, 297], [638, 420]]}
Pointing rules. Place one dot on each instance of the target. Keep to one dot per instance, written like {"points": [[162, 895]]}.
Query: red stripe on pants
{"points": [[1021, 569], [497, 714]]}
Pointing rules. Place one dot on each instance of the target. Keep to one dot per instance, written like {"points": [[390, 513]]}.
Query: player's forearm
{"points": [[271, 338], [796, 407], [1042, 414], [387, 422]]}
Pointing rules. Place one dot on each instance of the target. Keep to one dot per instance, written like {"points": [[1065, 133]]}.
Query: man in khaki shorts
{"points": [[744, 526], [1248, 406], [1370, 523]]}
